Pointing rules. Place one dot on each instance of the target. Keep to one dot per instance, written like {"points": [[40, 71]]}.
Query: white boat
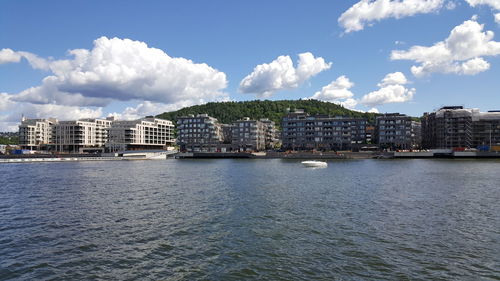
{"points": [[315, 164]]}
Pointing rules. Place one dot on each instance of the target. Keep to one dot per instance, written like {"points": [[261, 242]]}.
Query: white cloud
{"points": [[35, 61], [393, 78], [348, 103], [122, 69], [338, 89], [373, 110], [114, 69], [280, 74], [495, 4], [451, 5], [460, 53], [148, 108], [392, 90], [8, 55], [497, 17], [367, 11], [11, 112], [338, 92]]}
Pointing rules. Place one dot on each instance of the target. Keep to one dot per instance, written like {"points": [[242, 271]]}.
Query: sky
{"points": [[87, 59]]}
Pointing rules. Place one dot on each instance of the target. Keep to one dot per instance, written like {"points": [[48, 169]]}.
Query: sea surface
{"points": [[250, 220]]}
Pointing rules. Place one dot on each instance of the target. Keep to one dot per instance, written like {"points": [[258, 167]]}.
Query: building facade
{"points": [[459, 127], [200, 133], [81, 136], [272, 138], [143, 134], [416, 135], [393, 131], [300, 131], [36, 134], [249, 135]]}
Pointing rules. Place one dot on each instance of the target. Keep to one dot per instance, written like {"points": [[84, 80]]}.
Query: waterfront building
{"points": [[227, 133], [393, 131], [249, 135], [36, 134], [300, 131], [143, 134], [486, 129], [200, 133], [78, 136], [370, 134], [272, 136], [459, 127], [416, 135]]}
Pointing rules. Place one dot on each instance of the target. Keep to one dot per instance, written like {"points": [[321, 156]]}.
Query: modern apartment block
{"points": [[95, 135], [272, 135], [394, 131], [145, 133], [459, 127], [300, 131], [81, 135], [200, 133], [36, 134], [248, 135], [416, 134]]}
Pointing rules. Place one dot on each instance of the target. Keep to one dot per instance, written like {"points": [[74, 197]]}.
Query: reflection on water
{"points": [[250, 219]]}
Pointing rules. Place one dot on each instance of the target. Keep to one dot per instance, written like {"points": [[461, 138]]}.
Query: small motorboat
{"points": [[315, 164]]}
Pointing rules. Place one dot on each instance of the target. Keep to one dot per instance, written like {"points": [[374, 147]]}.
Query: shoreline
{"points": [[244, 155]]}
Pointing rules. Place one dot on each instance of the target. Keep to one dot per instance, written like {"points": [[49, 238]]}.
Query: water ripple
{"points": [[250, 220]]}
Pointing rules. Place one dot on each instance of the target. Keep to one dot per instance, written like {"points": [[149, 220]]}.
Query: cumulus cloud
{"points": [[451, 5], [495, 4], [460, 53], [8, 55], [337, 91], [497, 17], [392, 90], [396, 78], [147, 108], [11, 112], [368, 11], [113, 70], [122, 69], [280, 74]]}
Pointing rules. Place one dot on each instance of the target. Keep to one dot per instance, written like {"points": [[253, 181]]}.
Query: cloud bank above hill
{"points": [[114, 70], [280, 74], [392, 89]]}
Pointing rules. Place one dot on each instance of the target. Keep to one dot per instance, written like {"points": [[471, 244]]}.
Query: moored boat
{"points": [[314, 164]]}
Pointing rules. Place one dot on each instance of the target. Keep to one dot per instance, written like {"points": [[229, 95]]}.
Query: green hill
{"points": [[227, 112]]}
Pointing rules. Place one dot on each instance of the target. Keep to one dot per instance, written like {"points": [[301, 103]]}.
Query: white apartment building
{"points": [[36, 134], [146, 133], [80, 135]]}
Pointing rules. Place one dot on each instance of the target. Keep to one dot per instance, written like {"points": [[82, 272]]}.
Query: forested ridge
{"points": [[227, 112]]}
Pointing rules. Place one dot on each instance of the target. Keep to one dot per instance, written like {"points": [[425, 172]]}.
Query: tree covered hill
{"points": [[227, 112]]}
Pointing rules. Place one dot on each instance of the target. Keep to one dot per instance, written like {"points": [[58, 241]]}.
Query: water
{"points": [[250, 220]]}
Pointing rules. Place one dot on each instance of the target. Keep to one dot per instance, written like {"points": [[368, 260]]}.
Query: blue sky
{"points": [[138, 58]]}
